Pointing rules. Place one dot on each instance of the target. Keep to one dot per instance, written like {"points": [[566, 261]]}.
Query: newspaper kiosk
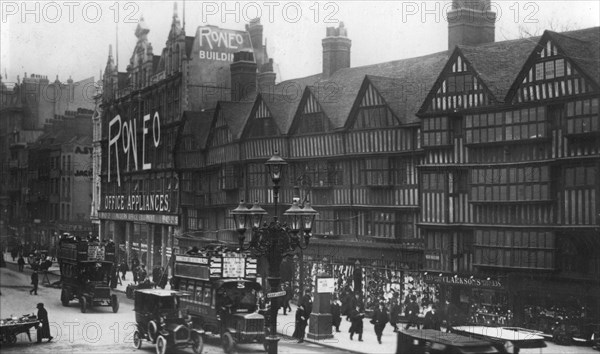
{"points": [[85, 273], [224, 289]]}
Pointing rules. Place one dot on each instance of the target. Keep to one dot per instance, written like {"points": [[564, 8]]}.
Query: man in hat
{"points": [[43, 330], [34, 282]]}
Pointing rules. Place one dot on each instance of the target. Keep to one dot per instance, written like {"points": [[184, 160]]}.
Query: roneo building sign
{"points": [[218, 44]]}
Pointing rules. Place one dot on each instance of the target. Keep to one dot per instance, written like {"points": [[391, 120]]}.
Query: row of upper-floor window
{"points": [[372, 223], [579, 116], [319, 173], [511, 183]]}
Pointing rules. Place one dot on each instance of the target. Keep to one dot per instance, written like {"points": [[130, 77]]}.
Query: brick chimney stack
{"points": [[243, 75], [266, 77], [336, 50], [471, 22]]}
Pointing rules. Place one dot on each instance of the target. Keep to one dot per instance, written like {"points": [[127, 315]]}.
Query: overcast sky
{"points": [[71, 38]]}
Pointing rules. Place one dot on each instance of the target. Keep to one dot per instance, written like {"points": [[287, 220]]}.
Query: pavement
{"points": [[286, 324]]}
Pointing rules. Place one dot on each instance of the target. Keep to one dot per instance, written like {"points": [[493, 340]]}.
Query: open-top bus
{"points": [[224, 289]]}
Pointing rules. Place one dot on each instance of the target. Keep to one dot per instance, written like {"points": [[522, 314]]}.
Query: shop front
{"points": [[147, 237], [479, 300], [543, 302]]}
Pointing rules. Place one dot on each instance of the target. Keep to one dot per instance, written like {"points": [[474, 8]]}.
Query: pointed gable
{"points": [[458, 87], [560, 65], [232, 116], [373, 110], [310, 118], [261, 122]]}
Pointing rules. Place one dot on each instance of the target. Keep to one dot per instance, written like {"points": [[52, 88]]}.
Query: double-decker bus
{"points": [[85, 273], [224, 294]]}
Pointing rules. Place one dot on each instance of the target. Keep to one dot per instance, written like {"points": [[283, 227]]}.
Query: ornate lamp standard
{"points": [[274, 240]]}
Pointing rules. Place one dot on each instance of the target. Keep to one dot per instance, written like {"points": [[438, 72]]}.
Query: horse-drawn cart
{"points": [[11, 327]]}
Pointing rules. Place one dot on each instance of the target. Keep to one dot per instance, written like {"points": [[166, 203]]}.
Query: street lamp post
{"points": [[274, 240]]}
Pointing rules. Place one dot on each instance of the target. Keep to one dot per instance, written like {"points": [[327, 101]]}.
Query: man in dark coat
{"points": [[142, 273], [34, 282], [307, 302], [449, 315], [156, 273], [44, 329], [395, 312], [379, 320], [432, 319], [163, 278], [123, 268], [336, 315], [287, 298], [21, 263], [356, 318], [412, 313], [301, 322]]}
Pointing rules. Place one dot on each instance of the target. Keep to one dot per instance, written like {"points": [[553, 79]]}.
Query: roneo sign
{"points": [[218, 44]]}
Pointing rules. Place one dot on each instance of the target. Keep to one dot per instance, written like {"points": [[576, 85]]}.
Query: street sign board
{"points": [[276, 294], [325, 285]]}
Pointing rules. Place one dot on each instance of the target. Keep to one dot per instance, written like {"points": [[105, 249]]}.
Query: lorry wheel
{"points": [[161, 345], [114, 300], [197, 343], [137, 340], [64, 297], [83, 304], [227, 342]]}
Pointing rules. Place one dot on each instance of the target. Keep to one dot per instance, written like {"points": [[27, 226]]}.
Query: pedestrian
{"points": [[21, 263], [449, 315], [307, 302], [432, 319], [34, 282], [123, 268], [395, 312], [142, 273], [287, 298], [336, 314], [379, 320], [163, 278], [412, 313], [356, 318], [301, 322], [156, 275], [135, 271], [43, 331]]}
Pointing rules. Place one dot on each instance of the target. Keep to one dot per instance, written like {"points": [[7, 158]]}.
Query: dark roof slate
{"points": [[582, 47], [498, 64], [236, 115], [198, 124], [282, 108]]}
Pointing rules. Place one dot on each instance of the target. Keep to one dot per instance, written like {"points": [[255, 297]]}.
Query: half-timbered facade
{"points": [[510, 179]]}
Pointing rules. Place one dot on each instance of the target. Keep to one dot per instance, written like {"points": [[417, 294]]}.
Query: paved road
{"points": [[98, 331]]}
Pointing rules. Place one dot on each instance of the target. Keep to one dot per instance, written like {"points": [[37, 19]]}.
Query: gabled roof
{"points": [[582, 47], [197, 123], [236, 115], [282, 108], [498, 64], [394, 93], [338, 94]]}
